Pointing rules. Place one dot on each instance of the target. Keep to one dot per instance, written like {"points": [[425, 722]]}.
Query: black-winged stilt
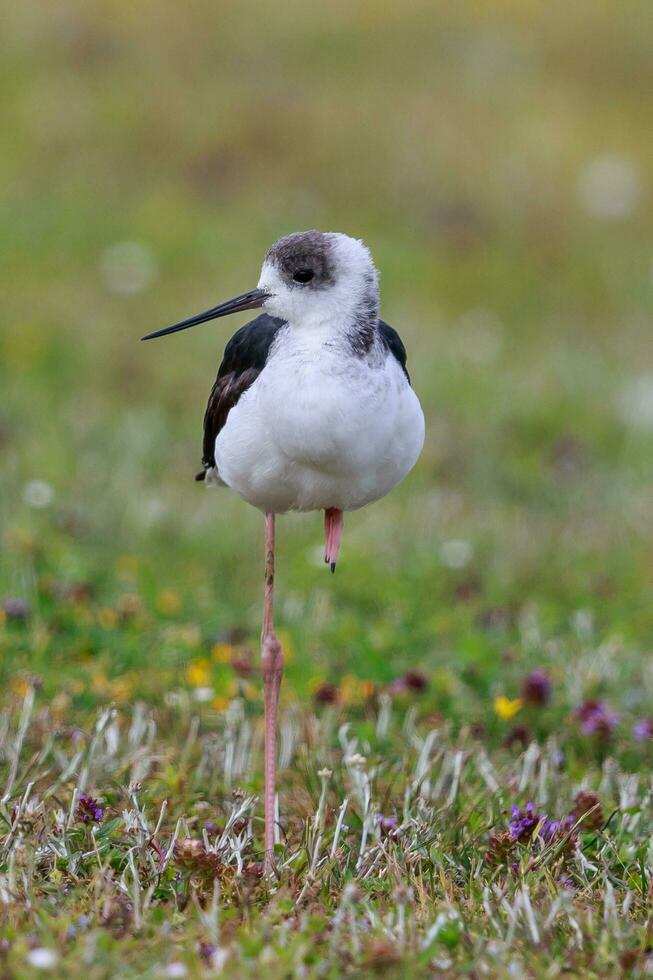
{"points": [[312, 409]]}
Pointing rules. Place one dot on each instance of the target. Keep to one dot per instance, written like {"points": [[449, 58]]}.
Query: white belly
{"points": [[319, 433]]}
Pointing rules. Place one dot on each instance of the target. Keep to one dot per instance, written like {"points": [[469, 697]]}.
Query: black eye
{"points": [[303, 275]]}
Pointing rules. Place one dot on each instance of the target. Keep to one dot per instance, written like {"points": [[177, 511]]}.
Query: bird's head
{"points": [[308, 278], [311, 277]]}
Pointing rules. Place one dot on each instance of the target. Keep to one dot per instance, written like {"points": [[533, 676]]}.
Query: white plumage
{"points": [[320, 429], [322, 426]]}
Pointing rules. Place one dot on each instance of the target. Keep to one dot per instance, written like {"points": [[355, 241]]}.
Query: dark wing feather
{"points": [[244, 358], [394, 344]]}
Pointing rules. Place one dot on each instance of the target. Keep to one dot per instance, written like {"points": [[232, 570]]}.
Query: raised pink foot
{"points": [[333, 523]]}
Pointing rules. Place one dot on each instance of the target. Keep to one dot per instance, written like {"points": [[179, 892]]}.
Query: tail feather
{"points": [[210, 477]]}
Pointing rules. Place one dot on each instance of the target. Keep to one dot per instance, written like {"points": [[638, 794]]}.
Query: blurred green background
{"points": [[496, 158]]}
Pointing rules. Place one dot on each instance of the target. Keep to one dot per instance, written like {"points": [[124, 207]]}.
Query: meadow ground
{"points": [[467, 718]]}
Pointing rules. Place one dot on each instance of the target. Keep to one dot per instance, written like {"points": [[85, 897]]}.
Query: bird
{"points": [[312, 410]]}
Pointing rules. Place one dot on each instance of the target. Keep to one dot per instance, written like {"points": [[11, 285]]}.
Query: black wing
{"points": [[394, 344], [244, 358]]}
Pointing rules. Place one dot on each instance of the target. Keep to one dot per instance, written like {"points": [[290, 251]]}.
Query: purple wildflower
{"points": [[597, 718], [550, 828], [326, 694], [524, 823], [15, 608], [643, 729], [536, 688], [206, 951], [413, 681], [388, 825], [88, 810]]}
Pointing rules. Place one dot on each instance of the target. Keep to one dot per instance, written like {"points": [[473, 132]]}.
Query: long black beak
{"points": [[247, 301]]}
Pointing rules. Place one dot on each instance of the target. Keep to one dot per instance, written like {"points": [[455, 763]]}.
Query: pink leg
{"points": [[333, 523], [272, 667]]}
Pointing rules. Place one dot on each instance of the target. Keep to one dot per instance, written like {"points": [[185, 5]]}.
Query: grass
{"points": [[397, 854], [463, 142]]}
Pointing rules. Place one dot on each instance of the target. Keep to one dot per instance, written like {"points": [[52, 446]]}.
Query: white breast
{"points": [[321, 429]]}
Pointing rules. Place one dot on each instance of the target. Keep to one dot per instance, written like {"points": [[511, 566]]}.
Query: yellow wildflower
{"points": [[20, 686], [220, 703], [198, 673], [350, 691], [168, 601], [506, 708], [222, 653]]}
